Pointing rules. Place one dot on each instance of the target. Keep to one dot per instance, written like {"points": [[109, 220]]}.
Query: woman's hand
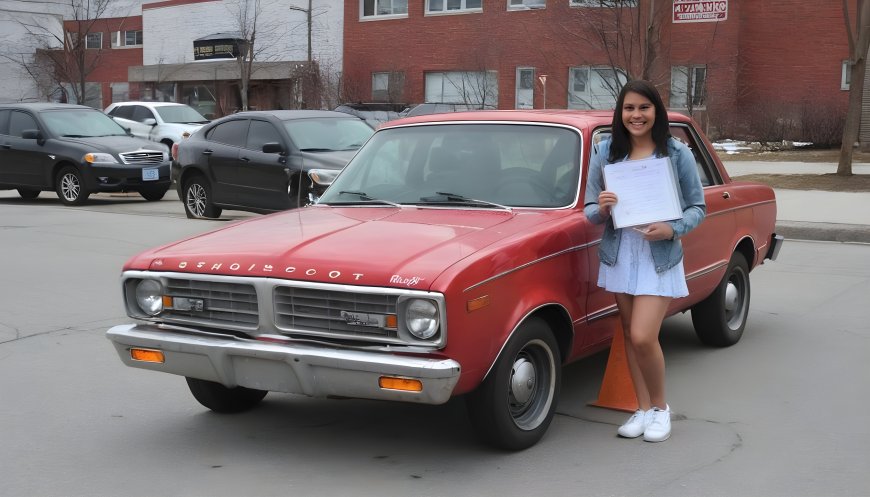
{"points": [[658, 231], [606, 201]]}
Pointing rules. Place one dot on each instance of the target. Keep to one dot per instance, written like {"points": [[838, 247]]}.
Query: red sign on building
{"points": [[700, 10]]}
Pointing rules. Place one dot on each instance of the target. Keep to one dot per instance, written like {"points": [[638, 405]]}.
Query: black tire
{"points": [[515, 404], [28, 194], [720, 319], [153, 194], [70, 186], [197, 199], [293, 193], [221, 399]]}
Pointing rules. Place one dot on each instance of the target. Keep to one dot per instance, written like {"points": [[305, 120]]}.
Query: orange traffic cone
{"points": [[617, 389]]}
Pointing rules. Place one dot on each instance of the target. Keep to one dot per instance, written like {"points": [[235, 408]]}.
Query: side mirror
{"points": [[30, 134], [273, 148], [150, 122]]}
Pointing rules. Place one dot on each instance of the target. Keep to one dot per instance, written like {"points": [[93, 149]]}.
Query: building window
{"points": [[441, 6], [94, 40], [387, 86], [603, 3], [688, 87], [594, 87], [526, 4], [846, 75], [126, 38], [475, 89], [525, 88], [382, 8]]}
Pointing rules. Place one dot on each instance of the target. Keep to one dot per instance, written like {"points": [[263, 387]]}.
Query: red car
{"points": [[451, 256]]}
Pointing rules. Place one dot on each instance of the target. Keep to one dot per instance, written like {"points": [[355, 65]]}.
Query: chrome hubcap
{"points": [[70, 187], [522, 381], [196, 199], [731, 296]]}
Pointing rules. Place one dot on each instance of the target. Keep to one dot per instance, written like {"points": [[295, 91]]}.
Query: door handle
{"points": [[726, 195], [245, 159], [207, 152], [5, 146]]}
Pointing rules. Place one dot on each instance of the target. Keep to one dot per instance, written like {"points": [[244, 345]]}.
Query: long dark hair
{"points": [[620, 145]]}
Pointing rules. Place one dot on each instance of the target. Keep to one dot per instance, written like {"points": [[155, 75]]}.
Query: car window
{"points": [[141, 113], [260, 133], [230, 132], [123, 111], [180, 114], [328, 134], [20, 121], [4, 122]]}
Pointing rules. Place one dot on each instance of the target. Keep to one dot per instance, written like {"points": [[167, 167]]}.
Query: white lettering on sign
{"points": [[700, 10], [399, 280]]}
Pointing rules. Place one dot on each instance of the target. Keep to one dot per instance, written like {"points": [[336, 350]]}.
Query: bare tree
{"points": [[251, 27], [859, 42]]}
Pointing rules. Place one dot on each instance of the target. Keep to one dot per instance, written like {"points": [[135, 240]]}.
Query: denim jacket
{"points": [[666, 253]]}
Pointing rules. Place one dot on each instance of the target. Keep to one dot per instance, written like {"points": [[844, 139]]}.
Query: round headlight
{"points": [[149, 297], [421, 317]]}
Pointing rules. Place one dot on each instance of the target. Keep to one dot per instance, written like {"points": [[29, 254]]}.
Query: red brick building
{"points": [[773, 67]]}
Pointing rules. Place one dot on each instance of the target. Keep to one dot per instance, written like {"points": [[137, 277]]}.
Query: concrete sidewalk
{"points": [[813, 214]]}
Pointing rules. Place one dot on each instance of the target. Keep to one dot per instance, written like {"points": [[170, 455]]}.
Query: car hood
{"points": [[180, 127], [115, 144], [327, 160], [406, 247]]}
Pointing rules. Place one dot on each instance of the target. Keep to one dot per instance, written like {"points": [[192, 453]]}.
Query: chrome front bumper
{"points": [[304, 368]]}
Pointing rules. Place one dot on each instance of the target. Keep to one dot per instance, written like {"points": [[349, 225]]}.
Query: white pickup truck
{"points": [[164, 122]]}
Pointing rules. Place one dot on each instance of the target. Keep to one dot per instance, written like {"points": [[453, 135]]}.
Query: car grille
{"points": [[320, 311], [224, 304], [142, 157]]}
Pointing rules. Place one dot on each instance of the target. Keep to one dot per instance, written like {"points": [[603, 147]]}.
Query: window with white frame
{"points": [[846, 75], [476, 89], [603, 3], [526, 4], [383, 8], [688, 87], [126, 38], [94, 40], [436, 6], [387, 86], [525, 91], [594, 87]]}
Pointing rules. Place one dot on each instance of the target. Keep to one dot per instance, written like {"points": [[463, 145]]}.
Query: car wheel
{"points": [[219, 398], [515, 404], [70, 186], [28, 194], [297, 198], [153, 194], [197, 199], [719, 319]]}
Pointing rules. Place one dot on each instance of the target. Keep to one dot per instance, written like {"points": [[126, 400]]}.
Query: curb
{"points": [[827, 232]]}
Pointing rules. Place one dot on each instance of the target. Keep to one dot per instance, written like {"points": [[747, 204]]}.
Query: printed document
{"points": [[646, 192]]}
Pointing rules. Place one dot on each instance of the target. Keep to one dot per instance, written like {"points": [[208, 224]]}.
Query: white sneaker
{"points": [[659, 427], [636, 424]]}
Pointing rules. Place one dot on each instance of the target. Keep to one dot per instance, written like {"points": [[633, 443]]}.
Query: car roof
{"points": [[286, 115], [152, 104], [41, 106], [574, 118]]}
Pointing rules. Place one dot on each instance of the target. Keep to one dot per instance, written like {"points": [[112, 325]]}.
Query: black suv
{"points": [[75, 151]]}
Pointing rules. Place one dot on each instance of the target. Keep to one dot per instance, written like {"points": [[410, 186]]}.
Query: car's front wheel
{"points": [[720, 319], [198, 200], [153, 194], [515, 404], [70, 186], [219, 398], [28, 194]]}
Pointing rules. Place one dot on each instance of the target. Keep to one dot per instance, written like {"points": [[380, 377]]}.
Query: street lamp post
{"points": [[543, 79]]}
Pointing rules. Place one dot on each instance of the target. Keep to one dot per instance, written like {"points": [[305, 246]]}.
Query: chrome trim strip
{"points": [[523, 266], [707, 270], [603, 313]]}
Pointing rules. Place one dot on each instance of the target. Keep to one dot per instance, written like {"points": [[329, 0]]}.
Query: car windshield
{"points": [[329, 134], [478, 165], [180, 114], [81, 123]]}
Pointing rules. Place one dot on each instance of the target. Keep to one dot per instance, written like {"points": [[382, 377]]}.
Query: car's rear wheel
{"points": [[515, 404], [219, 398], [153, 194], [720, 319], [70, 186], [28, 194], [198, 200]]}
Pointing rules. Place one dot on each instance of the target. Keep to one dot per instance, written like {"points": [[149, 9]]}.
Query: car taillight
{"points": [[174, 151]]}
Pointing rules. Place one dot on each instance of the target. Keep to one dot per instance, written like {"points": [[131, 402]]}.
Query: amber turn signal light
{"points": [[478, 303], [147, 355], [404, 384]]}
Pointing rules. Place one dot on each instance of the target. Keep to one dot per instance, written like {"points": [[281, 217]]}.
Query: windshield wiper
{"points": [[77, 136], [449, 198], [316, 150], [366, 199]]}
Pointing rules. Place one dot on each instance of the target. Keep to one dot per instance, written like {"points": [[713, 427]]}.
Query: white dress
{"points": [[634, 272]]}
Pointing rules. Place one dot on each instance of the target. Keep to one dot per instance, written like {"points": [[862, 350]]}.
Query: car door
{"points": [[26, 163], [5, 172], [263, 179], [123, 115], [221, 152], [137, 124]]}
